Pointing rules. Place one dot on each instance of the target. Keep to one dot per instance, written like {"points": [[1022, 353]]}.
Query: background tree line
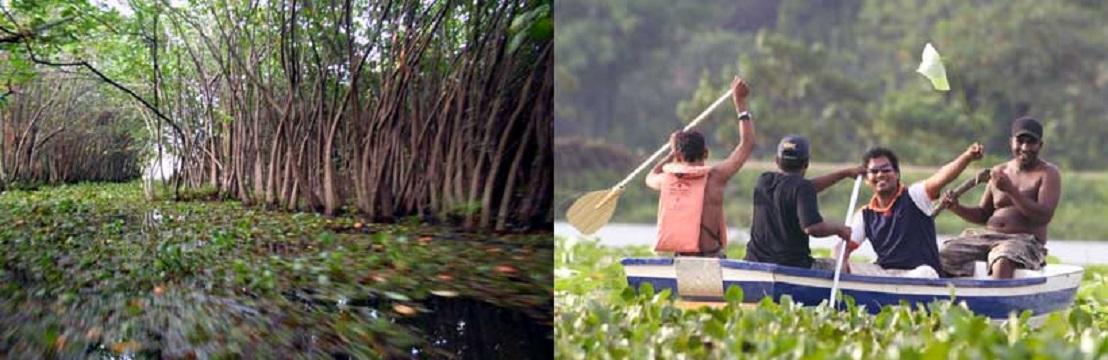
{"points": [[437, 109], [60, 129], [841, 72]]}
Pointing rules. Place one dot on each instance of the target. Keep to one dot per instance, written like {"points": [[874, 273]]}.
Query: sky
{"points": [[125, 9]]}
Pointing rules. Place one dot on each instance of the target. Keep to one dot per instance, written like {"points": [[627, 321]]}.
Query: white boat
{"points": [[706, 279]]}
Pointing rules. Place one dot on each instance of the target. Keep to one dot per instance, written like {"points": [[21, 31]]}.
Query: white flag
{"points": [[932, 67]]}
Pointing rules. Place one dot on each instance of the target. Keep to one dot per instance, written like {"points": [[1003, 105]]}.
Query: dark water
{"points": [[470, 329]]}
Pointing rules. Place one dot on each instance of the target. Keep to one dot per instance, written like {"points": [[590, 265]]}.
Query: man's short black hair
{"points": [[791, 165], [877, 152], [690, 144]]}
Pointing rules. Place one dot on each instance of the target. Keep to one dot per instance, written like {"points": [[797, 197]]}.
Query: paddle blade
{"points": [[932, 67], [592, 211]]}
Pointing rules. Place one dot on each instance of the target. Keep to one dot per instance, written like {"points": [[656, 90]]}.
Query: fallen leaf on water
{"points": [[444, 293], [93, 334], [125, 346], [404, 309], [397, 296]]}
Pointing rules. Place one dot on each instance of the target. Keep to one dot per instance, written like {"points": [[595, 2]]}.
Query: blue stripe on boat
{"points": [[990, 306], [825, 274]]}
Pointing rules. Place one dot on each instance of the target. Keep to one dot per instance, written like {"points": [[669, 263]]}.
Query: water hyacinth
{"points": [[97, 271], [597, 316]]}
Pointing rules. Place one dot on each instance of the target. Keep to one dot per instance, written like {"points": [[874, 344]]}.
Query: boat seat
{"points": [[698, 277], [981, 271]]}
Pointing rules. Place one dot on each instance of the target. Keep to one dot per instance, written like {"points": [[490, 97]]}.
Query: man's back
{"points": [[784, 204]]}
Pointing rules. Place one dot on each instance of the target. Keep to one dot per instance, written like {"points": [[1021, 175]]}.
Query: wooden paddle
{"points": [[981, 177], [593, 210], [842, 249]]}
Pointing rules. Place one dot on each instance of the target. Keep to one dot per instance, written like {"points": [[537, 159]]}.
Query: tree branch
{"points": [[105, 78], [18, 36]]}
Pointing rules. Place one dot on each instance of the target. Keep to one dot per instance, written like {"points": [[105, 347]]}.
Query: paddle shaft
{"points": [[665, 146], [842, 248], [981, 177]]}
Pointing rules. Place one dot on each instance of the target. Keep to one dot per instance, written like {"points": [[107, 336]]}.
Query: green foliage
{"points": [[598, 316], [536, 23], [99, 259], [841, 72]]}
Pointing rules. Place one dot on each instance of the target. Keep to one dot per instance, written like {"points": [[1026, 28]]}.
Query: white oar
{"points": [[593, 210], [842, 249]]}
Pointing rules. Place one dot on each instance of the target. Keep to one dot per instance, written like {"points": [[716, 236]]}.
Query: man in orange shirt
{"points": [[690, 207]]}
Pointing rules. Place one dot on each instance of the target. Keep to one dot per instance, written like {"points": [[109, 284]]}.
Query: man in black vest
{"points": [[897, 221]]}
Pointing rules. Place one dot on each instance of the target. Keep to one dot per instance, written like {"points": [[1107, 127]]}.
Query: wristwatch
{"points": [[745, 115]]}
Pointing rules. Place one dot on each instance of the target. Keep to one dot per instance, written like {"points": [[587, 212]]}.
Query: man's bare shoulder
{"points": [[1050, 168]]}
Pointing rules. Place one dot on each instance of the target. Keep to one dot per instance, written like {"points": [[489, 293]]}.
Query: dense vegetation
{"points": [[842, 72], [440, 109], [96, 270], [598, 317]]}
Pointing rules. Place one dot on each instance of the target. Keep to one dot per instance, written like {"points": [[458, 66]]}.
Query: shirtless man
{"points": [[690, 208], [1016, 208]]}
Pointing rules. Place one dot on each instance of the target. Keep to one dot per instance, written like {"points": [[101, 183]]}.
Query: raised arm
{"points": [[731, 165], [825, 181], [934, 184]]}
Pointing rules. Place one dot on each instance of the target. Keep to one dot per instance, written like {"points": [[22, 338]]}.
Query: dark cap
{"points": [[1027, 126], [793, 147]]}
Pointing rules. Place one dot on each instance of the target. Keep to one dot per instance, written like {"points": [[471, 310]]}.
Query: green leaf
{"points": [[646, 290], [734, 295]]}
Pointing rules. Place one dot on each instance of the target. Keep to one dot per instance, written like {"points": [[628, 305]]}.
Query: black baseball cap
{"points": [[1027, 126], [793, 147]]}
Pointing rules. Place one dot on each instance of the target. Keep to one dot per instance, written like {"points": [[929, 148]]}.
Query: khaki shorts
{"points": [[958, 254]]}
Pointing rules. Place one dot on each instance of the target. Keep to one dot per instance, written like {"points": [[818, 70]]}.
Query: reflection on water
{"points": [[451, 327], [471, 329]]}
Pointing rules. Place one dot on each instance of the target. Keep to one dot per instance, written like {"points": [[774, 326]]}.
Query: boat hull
{"points": [[1042, 292]]}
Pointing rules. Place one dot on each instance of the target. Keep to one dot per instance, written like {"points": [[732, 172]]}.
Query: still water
{"points": [[616, 234]]}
